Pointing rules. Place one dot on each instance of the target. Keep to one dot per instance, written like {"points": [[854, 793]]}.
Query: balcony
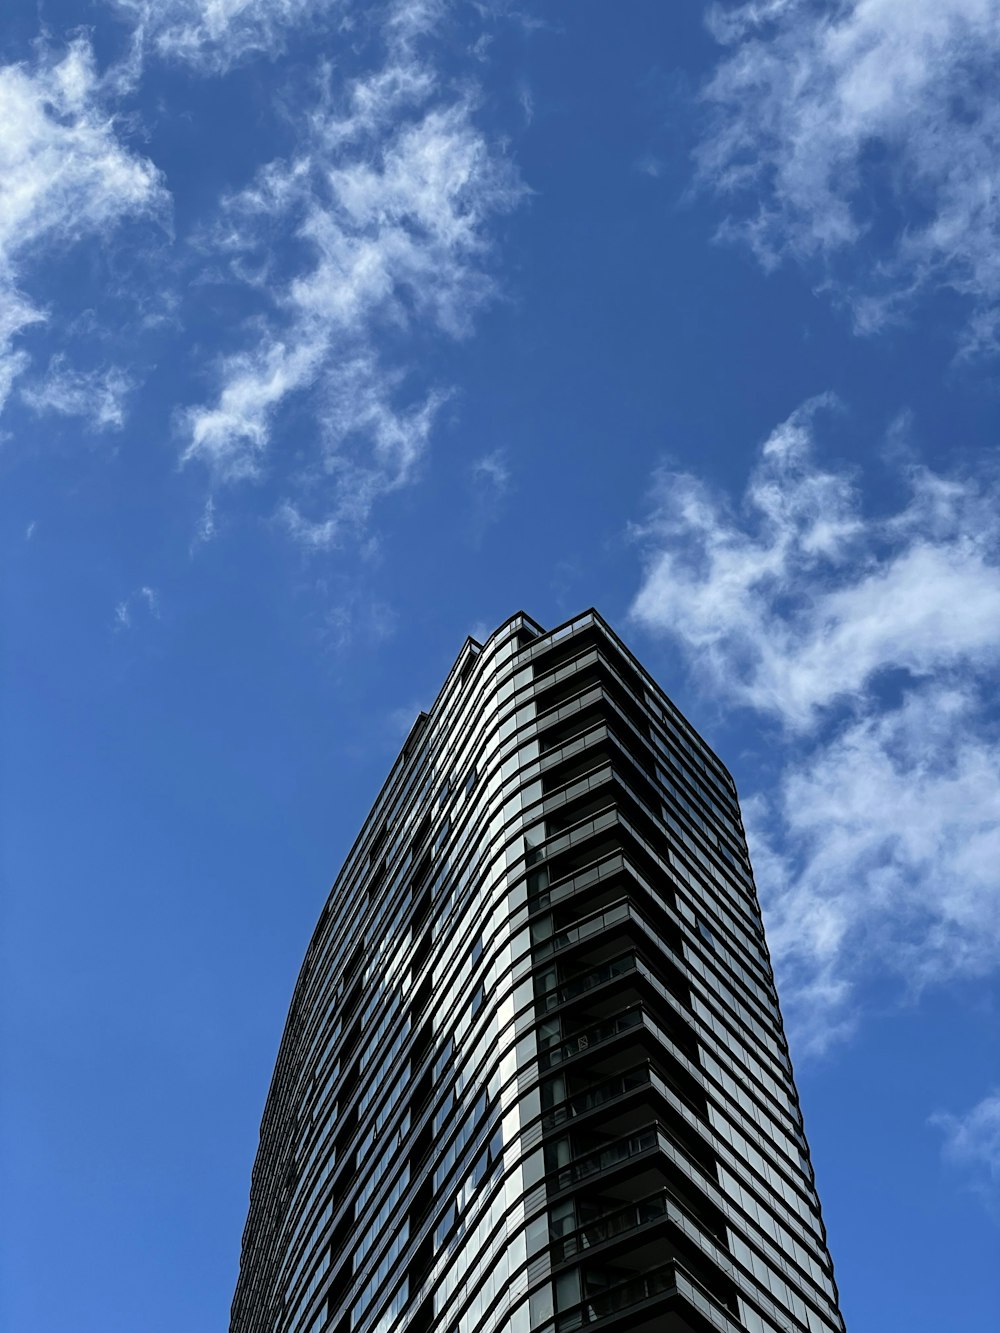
{"points": [[593, 1036], [663, 1292], [605, 1159], [597, 1095], [611, 1226], [675, 1200]]}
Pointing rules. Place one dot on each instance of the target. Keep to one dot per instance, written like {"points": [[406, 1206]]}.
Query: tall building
{"points": [[534, 1075]]}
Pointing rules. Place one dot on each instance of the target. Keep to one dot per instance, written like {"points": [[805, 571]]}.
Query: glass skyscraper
{"points": [[534, 1076]]}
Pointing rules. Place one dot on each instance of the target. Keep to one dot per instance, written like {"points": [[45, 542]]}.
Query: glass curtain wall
{"points": [[534, 1076]]}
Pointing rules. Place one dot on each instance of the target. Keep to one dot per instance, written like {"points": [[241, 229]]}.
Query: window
{"points": [[441, 837], [549, 1032], [444, 1059], [378, 842], [420, 835], [445, 1111], [534, 838], [445, 1224]]}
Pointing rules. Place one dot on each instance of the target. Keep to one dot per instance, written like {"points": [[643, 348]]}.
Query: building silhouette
{"points": [[534, 1076]]}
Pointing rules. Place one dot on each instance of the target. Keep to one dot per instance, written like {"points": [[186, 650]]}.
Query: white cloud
{"points": [[878, 855], [213, 35], [972, 1142], [864, 134], [798, 600], [357, 405], [144, 598], [356, 619], [96, 395], [206, 529], [492, 471], [490, 478], [64, 175], [876, 848], [526, 101], [391, 196], [231, 436], [16, 314]]}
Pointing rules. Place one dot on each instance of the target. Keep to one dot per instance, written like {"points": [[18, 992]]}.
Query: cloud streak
{"points": [[972, 1143], [98, 396], [863, 137], [144, 598], [214, 35]]}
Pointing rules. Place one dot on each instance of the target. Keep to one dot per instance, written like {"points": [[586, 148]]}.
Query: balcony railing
{"points": [[570, 990], [597, 1095], [590, 926], [611, 1225], [669, 1280], [600, 1305], [583, 1041], [640, 1076], [620, 1151]]}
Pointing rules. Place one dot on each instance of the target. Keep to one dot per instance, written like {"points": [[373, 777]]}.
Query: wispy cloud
{"points": [[872, 640], [214, 35], [357, 406], [972, 1144], [98, 396], [206, 529], [864, 135], [65, 174], [490, 477], [390, 196], [355, 618], [142, 599], [492, 471]]}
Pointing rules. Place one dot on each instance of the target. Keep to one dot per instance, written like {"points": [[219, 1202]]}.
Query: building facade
{"points": [[534, 1077]]}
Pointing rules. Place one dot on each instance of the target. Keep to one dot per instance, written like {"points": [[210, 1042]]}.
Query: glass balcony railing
{"points": [[611, 1225], [561, 842], [586, 1099], [620, 1151], [633, 1217], [599, 1305], [590, 926], [669, 1280], [583, 1041], [597, 1095], [577, 986]]}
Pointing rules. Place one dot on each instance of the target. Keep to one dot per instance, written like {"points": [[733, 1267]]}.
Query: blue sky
{"points": [[331, 333]]}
